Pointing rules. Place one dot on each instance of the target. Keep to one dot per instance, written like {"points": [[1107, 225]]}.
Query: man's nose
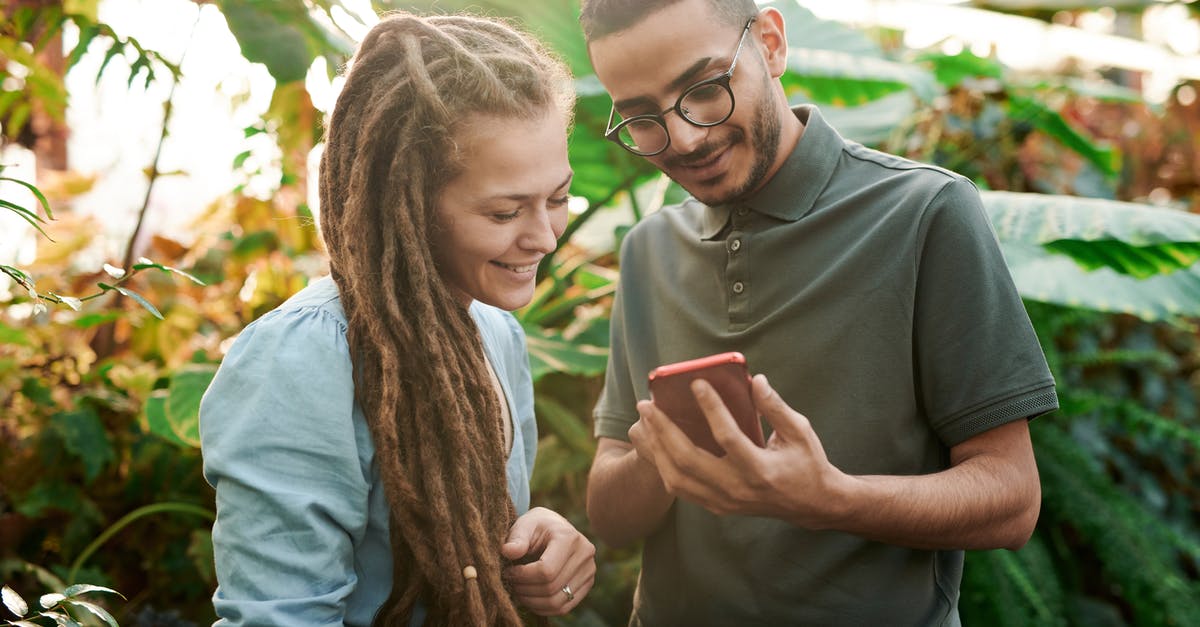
{"points": [[685, 136]]}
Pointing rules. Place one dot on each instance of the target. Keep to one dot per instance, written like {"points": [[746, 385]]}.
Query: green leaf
{"points": [[550, 352], [155, 411], [145, 264], [872, 123], [84, 436], [85, 588], [182, 407], [88, 321], [28, 216], [50, 600], [96, 610], [1140, 262], [556, 463], [1102, 90], [806, 30], [240, 159], [843, 79], [60, 619], [87, 33], [35, 191], [50, 495], [570, 428], [10, 336], [254, 244], [73, 303], [1047, 219], [267, 39], [140, 300], [951, 70], [1107, 159], [200, 549], [1052, 278], [35, 390], [13, 601], [1100, 254]]}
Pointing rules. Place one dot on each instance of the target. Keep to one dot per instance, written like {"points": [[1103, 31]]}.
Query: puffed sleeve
{"points": [[279, 447]]}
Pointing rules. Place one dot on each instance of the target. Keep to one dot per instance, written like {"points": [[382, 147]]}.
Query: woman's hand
{"points": [[554, 565]]}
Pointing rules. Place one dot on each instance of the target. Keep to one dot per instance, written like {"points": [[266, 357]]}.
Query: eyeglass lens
{"points": [[706, 104]]}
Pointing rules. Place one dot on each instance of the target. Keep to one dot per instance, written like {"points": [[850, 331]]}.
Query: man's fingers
{"points": [[724, 428], [784, 420]]}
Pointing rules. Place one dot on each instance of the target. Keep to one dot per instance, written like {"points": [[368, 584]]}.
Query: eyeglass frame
{"points": [[612, 133]]}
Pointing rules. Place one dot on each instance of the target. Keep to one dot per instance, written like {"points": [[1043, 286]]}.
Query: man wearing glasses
{"points": [[871, 292]]}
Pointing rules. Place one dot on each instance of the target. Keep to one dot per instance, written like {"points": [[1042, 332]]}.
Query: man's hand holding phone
{"points": [[790, 478], [671, 391]]}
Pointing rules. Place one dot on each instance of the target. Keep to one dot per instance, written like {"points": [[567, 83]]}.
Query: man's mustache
{"points": [[703, 152]]}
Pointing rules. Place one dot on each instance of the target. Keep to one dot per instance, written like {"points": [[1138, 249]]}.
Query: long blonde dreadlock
{"points": [[419, 370]]}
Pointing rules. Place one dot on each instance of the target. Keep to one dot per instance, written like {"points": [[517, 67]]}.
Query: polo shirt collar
{"points": [[793, 190]]}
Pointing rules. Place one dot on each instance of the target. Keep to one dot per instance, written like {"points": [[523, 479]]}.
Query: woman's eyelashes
{"points": [[509, 216]]}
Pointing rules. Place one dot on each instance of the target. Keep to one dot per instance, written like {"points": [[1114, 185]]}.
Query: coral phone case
{"points": [[670, 389]]}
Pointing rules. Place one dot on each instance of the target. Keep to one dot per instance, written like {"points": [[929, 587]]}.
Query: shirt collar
{"points": [[793, 190]]}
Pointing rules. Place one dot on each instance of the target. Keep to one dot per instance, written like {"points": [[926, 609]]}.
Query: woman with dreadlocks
{"points": [[371, 440]]}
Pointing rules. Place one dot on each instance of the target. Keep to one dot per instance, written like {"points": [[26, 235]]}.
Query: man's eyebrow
{"points": [[685, 78]]}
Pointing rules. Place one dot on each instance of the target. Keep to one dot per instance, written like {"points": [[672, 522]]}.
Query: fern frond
{"points": [[1137, 552]]}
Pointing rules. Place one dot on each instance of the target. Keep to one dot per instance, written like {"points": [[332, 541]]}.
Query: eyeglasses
{"points": [[704, 104]]}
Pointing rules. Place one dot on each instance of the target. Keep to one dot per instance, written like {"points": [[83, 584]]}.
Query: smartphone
{"points": [[671, 391]]}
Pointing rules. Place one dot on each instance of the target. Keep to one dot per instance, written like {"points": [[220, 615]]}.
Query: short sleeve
{"points": [[978, 360], [279, 447]]}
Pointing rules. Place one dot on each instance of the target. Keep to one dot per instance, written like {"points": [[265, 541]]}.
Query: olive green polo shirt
{"points": [[872, 293]]}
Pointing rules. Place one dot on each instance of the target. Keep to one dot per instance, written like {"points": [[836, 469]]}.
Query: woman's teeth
{"points": [[518, 269]]}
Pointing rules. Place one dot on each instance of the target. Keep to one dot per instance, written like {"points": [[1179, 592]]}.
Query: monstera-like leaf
{"points": [[1100, 254]]}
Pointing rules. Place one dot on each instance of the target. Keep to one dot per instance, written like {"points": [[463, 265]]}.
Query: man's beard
{"points": [[764, 145]]}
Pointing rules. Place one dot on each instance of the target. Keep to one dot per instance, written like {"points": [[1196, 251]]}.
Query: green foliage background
{"points": [[101, 371]]}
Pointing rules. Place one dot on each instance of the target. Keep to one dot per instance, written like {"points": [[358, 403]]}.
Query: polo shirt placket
{"points": [[737, 269]]}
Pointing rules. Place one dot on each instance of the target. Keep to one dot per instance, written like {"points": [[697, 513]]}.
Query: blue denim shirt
{"points": [[301, 536]]}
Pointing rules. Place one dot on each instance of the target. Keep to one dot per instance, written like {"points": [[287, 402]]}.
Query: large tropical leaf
{"points": [[550, 352], [843, 78], [1023, 6], [1099, 254], [806, 30], [1045, 218], [862, 93], [873, 122], [835, 64]]}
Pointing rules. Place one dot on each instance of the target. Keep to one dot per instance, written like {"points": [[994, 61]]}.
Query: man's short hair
{"points": [[605, 17]]}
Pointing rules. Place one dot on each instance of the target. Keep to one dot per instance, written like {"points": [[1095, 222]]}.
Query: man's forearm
{"points": [[984, 501], [626, 499]]}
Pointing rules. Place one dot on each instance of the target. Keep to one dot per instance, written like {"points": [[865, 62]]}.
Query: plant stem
{"points": [[169, 507], [168, 108]]}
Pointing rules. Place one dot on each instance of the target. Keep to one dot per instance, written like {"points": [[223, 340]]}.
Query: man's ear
{"points": [[772, 37]]}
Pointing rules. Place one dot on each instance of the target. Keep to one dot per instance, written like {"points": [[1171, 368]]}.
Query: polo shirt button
{"points": [[735, 245], [742, 211], [738, 287]]}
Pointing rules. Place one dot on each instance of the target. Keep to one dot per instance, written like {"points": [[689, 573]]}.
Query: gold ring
{"points": [[567, 591]]}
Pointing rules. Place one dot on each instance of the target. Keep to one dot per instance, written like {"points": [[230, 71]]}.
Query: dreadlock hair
{"points": [[605, 17], [420, 375]]}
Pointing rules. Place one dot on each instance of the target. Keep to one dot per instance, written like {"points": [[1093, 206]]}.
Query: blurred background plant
{"points": [[1090, 177]]}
